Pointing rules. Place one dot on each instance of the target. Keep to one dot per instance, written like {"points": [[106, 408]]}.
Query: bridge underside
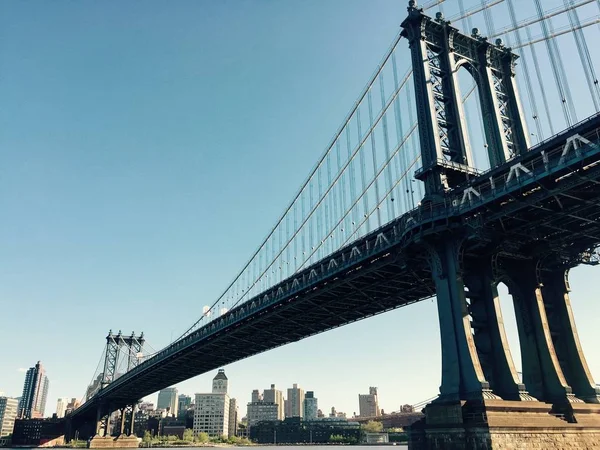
{"points": [[541, 226]]}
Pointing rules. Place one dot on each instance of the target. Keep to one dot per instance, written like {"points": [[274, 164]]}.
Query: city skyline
{"points": [[172, 396], [106, 215]]}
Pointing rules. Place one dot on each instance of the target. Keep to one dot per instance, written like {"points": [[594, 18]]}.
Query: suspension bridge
{"points": [[442, 181]]}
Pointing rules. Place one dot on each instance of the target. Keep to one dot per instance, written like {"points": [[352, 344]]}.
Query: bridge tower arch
{"points": [[438, 52]]}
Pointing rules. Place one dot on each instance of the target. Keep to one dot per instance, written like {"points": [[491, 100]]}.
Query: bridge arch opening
{"points": [[507, 307], [470, 105]]}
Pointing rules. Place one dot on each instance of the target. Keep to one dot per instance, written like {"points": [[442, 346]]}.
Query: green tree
{"points": [[188, 435], [372, 427], [202, 438], [336, 439], [147, 437]]}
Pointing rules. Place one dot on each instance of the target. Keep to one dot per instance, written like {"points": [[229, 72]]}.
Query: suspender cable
{"points": [[549, 13], [374, 156], [584, 55], [391, 211], [526, 74], [489, 21], [563, 74], [540, 79], [363, 173], [554, 63], [560, 32], [400, 165], [352, 166], [369, 213], [342, 196]]}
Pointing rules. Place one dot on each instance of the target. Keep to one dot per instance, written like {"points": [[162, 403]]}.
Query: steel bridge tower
{"points": [[478, 373], [116, 344]]}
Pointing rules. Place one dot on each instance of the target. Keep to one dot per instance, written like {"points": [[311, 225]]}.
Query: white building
{"points": [[61, 407], [211, 413], [8, 414], [275, 396], [294, 405]]}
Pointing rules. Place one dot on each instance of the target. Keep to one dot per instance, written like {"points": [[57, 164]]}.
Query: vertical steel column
{"points": [[131, 427], [489, 333], [462, 375], [414, 30], [122, 429], [505, 127], [102, 421], [542, 373], [564, 334]]}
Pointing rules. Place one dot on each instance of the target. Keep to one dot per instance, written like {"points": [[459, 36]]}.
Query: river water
{"points": [[288, 447]]}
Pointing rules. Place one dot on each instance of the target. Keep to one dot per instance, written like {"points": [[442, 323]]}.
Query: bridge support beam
{"points": [[542, 372], [555, 292], [489, 333], [462, 375], [103, 438]]}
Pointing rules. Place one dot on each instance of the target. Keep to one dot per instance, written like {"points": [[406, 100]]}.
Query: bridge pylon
{"points": [[481, 398], [123, 433]]}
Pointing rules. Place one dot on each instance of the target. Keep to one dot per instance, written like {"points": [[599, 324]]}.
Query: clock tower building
{"points": [[219, 385]]}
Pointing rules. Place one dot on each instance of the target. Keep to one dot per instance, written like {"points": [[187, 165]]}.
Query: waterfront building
{"points": [[61, 407], [261, 412], [35, 393], [211, 411], [167, 400], [38, 432], [183, 404], [311, 407], [275, 396], [295, 402], [368, 404], [233, 417], [293, 431], [145, 406], [8, 414], [72, 406]]}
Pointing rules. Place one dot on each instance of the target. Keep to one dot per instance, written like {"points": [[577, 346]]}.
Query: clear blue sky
{"points": [[145, 150]]}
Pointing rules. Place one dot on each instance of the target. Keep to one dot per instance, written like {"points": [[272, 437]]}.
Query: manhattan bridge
{"points": [[470, 159]]}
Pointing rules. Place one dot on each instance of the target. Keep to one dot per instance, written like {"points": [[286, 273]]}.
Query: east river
{"points": [[281, 447]]}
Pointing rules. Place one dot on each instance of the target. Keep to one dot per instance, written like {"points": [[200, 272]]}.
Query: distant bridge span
{"points": [[389, 268]]}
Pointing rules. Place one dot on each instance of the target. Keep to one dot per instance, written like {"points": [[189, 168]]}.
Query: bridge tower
{"points": [[438, 52], [115, 345], [479, 379]]}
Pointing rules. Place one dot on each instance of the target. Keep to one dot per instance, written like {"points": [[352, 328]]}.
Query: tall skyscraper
{"points": [[211, 411], [35, 392], [183, 403], [233, 417], [368, 404], [8, 414], [295, 402], [167, 400], [61, 407], [311, 407], [275, 396]]}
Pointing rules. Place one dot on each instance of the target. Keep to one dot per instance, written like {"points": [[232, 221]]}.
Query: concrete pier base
{"points": [[113, 442], [499, 424]]}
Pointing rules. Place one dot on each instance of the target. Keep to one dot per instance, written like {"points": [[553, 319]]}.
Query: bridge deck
{"points": [[548, 195]]}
